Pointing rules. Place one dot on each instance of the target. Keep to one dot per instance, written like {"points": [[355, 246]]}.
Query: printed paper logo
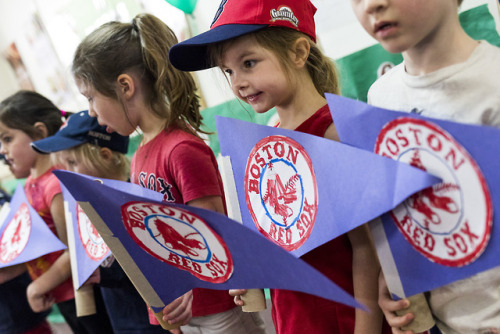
{"points": [[281, 191], [94, 245], [179, 238], [16, 235], [449, 223]]}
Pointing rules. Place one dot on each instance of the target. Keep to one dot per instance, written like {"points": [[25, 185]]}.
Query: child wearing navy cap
{"points": [[267, 50], [83, 146]]}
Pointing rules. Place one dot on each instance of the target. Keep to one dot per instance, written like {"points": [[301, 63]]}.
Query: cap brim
{"points": [[192, 55], [54, 144]]}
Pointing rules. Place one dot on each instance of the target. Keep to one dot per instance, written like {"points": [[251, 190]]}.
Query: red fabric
{"points": [[295, 312], [43, 328], [40, 192], [183, 168]]}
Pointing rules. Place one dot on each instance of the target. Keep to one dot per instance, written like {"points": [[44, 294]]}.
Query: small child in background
{"points": [[267, 51], [85, 147], [124, 71], [445, 74], [24, 117]]}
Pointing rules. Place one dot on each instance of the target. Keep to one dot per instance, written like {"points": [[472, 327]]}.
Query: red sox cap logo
{"points": [[16, 235], [281, 191], [94, 245], [449, 223], [179, 238]]}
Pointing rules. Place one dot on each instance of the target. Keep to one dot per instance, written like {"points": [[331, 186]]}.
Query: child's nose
{"points": [[374, 5]]}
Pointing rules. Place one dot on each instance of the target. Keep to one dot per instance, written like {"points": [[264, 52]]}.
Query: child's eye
{"points": [[70, 162], [249, 63], [228, 71], [6, 139]]}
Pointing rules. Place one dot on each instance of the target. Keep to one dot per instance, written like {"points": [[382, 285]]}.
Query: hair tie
{"points": [[63, 113], [134, 25]]}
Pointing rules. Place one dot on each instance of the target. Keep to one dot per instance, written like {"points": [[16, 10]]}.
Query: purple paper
{"points": [[90, 250], [178, 247], [301, 191], [24, 236], [444, 233]]}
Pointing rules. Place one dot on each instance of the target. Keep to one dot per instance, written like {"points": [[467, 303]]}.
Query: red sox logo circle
{"points": [[179, 238], [281, 191], [16, 235], [449, 223], [92, 242]]}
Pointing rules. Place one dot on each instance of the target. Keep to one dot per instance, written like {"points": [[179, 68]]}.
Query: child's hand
{"points": [[38, 302], [179, 311], [236, 293], [390, 306], [95, 278]]}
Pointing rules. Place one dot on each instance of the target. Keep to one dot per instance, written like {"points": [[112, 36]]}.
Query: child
{"points": [[267, 50], [123, 70], [24, 117], [83, 146], [444, 74]]}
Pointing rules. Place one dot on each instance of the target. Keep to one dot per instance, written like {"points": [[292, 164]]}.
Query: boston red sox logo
{"points": [[94, 245], [16, 235], [179, 238], [281, 191], [449, 223]]}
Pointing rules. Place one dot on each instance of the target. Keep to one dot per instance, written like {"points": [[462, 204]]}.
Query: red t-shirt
{"points": [[40, 192], [183, 168]]}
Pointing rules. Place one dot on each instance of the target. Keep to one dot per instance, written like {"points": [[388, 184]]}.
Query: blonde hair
{"points": [[89, 155], [141, 47], [280, 40]]}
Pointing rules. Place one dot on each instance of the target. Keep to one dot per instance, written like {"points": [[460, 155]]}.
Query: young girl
{"points": [[123, 70], [267, 51], [24, 117], [83, 146]]}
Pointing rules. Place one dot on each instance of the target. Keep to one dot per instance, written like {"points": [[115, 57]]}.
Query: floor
{"points": [[63, 328]]}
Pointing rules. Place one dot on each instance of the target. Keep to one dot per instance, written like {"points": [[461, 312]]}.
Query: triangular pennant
{"points": [[447, 230], [302, 191], [24, 236], [167, 249], [87, 248]]}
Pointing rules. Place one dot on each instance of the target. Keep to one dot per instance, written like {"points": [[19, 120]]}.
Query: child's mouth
{"points": [[382, 26]]}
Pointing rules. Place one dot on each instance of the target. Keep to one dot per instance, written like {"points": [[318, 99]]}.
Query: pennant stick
{"points": [[423, 320], [128, 265], [84, 296], [254, 299], [85, 301]]}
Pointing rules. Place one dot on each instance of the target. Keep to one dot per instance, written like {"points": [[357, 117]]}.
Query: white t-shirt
{"points": [[468, 92]]}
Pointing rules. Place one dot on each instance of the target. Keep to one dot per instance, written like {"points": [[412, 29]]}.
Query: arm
{"points": [[365, 271], [60, 270], [180, 309], [8, 273]]}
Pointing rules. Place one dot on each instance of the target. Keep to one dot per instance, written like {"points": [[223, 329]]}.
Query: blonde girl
{"points": [[268, 52]]}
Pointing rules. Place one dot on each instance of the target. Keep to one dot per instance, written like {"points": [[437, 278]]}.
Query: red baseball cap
{"points": [[236, 18]]}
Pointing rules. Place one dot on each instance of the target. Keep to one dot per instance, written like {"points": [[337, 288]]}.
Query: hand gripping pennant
{"points": [[24, 236], [168, 249], [301, 191], [444, 233]]}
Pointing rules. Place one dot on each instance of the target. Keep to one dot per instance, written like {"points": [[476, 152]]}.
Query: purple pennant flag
{"points": [[444, 233], [87, 248], [24, 236], [168, 249], [301, 191]]}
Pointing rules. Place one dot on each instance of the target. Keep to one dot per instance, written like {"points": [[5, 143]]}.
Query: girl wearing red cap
{"points": [[267, 51]]}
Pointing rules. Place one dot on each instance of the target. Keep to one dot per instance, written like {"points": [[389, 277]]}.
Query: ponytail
{"points": [[141, 47]]}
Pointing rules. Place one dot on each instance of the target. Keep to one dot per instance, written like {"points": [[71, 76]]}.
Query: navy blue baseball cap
{"points": [[80, 128], [236, 18]]}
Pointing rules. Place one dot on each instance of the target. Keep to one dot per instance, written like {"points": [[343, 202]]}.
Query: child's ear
{"points": [[126, 86], [41, 130], [300, 51], [105, 153]]}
